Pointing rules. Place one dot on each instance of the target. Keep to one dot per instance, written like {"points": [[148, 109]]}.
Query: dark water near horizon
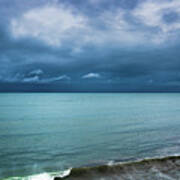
{"points": [[51, 132]]}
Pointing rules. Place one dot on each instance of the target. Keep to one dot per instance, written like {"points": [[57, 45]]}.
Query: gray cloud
{"points": [[124, 46]]}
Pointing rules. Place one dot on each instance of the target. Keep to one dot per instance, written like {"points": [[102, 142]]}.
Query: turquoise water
{"points": [[49, 132]]}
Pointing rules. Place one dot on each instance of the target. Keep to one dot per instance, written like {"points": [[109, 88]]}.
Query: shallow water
{"points": [[51, 132]]}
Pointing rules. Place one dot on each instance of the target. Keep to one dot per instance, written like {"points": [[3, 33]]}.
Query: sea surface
{"points": [[45, 135]]}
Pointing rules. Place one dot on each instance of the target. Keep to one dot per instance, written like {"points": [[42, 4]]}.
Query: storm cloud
{"points": [[100, 45]]}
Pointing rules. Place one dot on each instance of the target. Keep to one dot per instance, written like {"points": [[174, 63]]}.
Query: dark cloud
{"points": [[100, 46]]}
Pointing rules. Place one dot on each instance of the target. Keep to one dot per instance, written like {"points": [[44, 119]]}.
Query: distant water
{"points": [[43, 134]]}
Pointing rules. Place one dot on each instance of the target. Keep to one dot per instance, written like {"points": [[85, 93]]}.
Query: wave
{"points": [[44, 176], [165, 168]]}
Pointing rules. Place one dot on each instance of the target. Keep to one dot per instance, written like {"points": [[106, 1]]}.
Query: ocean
{"points": [[46, 136]]}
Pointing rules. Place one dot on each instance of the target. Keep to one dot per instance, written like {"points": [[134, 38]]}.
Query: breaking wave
{"points": [[166, 168], [44, 176]]}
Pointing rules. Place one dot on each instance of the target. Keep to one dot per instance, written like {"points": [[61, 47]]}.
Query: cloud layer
{"points": [[93, 45], [50, 23]]}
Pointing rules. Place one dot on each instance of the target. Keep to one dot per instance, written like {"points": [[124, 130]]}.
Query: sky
{"points": [[89, 45]]}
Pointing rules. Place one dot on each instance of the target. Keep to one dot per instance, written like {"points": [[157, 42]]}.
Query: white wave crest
{"points": [[49, 176], [43, 176], [64, 173]]}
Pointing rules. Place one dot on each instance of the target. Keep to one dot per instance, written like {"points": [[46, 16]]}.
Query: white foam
{"points": [[48, 176], [162, 175], [64, 173], [43, 176], [110, 163]]}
